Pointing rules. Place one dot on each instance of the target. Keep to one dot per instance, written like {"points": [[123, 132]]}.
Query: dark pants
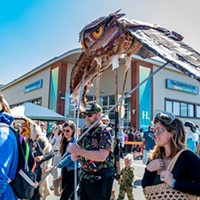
{"points": [[93, 190], [121, 151], [68, 184]]}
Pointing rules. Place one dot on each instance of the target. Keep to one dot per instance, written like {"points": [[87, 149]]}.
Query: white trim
{"points": [[26, 178]]}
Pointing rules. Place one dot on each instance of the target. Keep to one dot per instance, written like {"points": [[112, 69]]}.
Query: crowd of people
{"points": [[91, 157]]}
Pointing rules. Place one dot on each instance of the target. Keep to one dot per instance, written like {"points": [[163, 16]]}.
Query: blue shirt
{"points": [[8, 158], [191, 144], [67, 161], [149, 140], [121, 138]]}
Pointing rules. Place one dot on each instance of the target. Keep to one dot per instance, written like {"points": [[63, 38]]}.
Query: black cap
{"points": [[93, 108]]}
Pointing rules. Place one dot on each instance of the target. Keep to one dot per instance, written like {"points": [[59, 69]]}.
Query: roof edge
{"points": [[41, 67]]}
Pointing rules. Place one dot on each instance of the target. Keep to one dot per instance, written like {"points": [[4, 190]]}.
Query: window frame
{"points": [[195, 109]]}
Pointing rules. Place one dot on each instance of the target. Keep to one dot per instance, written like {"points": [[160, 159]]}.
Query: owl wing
{"points": [[168, 46], [76, 77], [78, 70], [90, 64]]}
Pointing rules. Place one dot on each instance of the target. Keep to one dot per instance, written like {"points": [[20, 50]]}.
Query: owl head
{"points": [[100, 36]]}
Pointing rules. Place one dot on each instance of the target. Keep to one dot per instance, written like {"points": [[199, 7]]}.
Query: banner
{"points": [[53, 89], [145, 96]]}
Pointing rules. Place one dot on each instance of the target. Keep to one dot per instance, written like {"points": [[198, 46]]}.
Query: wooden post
{"points": [[117, 148], [123, 91], [116, 87], [97, 83], [127, 66]]}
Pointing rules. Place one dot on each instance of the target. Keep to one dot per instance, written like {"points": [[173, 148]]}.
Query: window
{"points": [[182, 109], [169, 106], [105, 101], [176, 108], [127, 107], [190, 110], [198, 111], [90, 99], [37, 101], [108, 101], [111, 102]]}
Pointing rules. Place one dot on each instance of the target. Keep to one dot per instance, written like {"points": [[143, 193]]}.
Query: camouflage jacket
{"points": [[127, 177]]}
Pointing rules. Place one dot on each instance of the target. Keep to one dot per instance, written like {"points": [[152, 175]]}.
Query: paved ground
{"points": [[138, 194]]}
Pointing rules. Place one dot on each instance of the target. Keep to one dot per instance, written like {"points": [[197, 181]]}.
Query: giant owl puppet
{"points": [[107, 38]]}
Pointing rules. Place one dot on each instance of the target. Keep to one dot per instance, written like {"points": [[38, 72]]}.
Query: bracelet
{"points": [[173, 183]]}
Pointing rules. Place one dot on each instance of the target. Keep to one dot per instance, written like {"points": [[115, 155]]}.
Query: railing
{"points": [[133, 142]]}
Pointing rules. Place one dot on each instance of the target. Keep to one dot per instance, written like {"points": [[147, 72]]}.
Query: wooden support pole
{"points": [[97, 83], [117, 148], [116, 87], [123, 91]]}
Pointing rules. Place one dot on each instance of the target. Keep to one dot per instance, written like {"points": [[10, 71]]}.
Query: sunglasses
{"points": [[166, 118], [66, 130], [89, 114]]}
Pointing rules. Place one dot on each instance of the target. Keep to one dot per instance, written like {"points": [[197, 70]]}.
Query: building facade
{"points": [[169, 90]]}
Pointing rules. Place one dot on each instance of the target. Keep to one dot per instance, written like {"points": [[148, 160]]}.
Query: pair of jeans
{"points": [[56, 172], [145, 156]]}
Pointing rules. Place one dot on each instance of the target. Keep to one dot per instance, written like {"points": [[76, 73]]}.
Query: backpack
{"points": [[24, 182]]}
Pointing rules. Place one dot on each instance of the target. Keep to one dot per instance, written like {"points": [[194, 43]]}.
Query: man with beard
{"points": [[95, 151]]}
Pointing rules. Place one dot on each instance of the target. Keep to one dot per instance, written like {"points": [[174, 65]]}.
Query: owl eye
{"points": [[98, 32]]}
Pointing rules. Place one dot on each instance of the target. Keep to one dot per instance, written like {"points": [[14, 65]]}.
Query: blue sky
{"points": [[35, 31]]}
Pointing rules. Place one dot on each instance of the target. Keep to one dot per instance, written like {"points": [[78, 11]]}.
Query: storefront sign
{"points": [[183, 87], [33, 86]]}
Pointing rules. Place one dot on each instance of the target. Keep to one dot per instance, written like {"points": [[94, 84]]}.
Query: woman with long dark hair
{"points": [[67, 164]]}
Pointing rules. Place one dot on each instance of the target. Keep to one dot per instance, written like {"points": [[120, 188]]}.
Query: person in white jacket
{"points": [[191, 135]]}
